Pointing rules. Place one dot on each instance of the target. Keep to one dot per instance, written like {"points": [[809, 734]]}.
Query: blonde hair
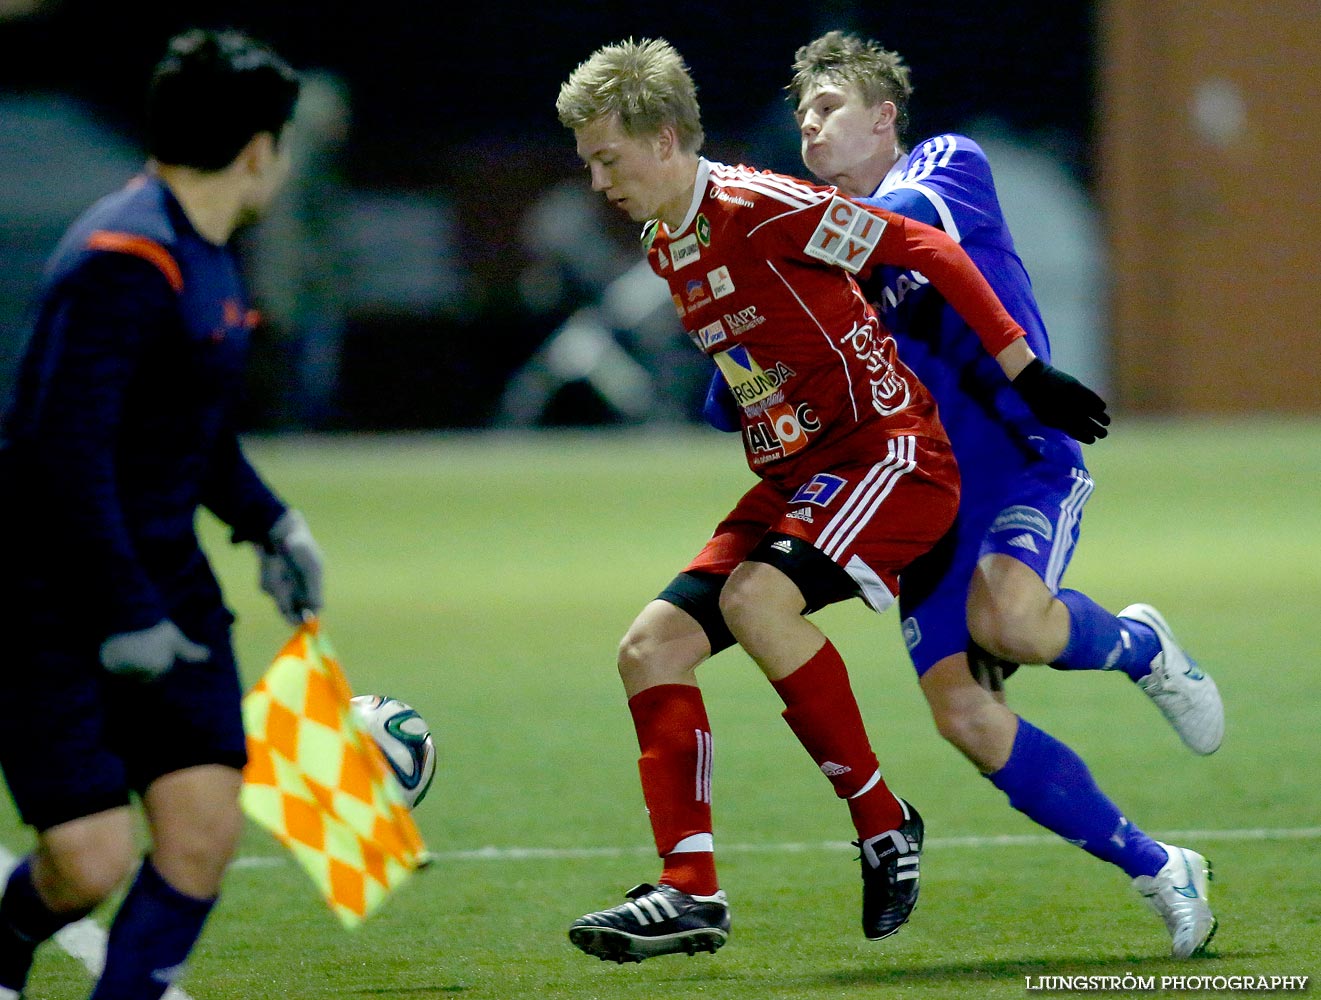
{"points": [[878, 73], [646, 84]]}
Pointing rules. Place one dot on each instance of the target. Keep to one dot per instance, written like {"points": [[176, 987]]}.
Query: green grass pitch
{"points": [[486, 581]]}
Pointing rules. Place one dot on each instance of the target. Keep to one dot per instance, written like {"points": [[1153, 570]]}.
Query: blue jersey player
{"points": [[990, 596], [120, 676], [1024, 487]]}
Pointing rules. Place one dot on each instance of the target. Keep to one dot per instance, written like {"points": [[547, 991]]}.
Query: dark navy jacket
{"points": [[122, 423]]}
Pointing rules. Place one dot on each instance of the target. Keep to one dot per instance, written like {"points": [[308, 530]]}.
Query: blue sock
{"points": [[1050, 784], [154, 931], [25, 922], [1100, 641]]}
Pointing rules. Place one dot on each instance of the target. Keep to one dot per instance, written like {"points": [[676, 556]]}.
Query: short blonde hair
{"points": [[878, 73], [646, 84]]}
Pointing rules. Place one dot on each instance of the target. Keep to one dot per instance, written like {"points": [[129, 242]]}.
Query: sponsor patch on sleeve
{"points": [[846, 235]]}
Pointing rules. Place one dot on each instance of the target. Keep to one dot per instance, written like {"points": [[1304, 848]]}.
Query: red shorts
{"points": [[871, 519]]}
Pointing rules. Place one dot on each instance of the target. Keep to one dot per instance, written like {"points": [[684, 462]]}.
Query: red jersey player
{"points": [[857, 476]]}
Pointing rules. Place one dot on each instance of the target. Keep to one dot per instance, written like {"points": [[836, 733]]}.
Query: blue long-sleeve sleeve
{"points": [[124, 424], [66, 429]]}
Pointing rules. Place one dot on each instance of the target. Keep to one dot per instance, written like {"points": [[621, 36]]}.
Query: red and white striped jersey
{"points": [[761, 273]]}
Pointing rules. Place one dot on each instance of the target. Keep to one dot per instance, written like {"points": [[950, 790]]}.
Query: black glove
{"points": [[1059, 400]]}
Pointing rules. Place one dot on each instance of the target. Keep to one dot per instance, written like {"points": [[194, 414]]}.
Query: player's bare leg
{"points": [[74, 867], [195, 824], [763, 608], [1014, 615], [969, 716], [664, 645], [78, 864]]}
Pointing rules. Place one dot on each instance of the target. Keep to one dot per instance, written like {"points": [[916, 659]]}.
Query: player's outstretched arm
{"points": [[1055, 397]]}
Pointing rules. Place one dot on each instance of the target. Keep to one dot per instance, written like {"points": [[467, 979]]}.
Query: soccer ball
{"points": [[404, 739]]}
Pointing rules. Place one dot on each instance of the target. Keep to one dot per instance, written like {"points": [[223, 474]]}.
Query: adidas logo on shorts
{"points": [[1024, 541]]}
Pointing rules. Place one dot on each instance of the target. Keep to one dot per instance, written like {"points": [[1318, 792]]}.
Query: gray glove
{"points": [[291, 567], [150, 652]]}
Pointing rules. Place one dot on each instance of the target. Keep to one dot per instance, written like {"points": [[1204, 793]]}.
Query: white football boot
{"points": [[1186, 696], [1178, 892]]}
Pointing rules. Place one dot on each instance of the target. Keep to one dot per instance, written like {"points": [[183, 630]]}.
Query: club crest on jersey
{"points": [[703, 230], [649, 232], [845, 236], [685, 251], [820, 489], [721, 283], [748, 381]]}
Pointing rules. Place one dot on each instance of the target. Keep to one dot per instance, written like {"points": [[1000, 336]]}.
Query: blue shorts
{"points": [[75, 740], [1034, 516]]}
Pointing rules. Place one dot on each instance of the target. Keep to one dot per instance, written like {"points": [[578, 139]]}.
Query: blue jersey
{"points": [[946, 182], [123, 421]]}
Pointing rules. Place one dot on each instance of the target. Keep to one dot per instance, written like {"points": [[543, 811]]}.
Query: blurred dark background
{"points": [[440, 261], [427, 81]]}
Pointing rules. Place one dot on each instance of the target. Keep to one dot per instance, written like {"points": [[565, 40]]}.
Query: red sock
{"points": [[675, 739], [822, 712]]}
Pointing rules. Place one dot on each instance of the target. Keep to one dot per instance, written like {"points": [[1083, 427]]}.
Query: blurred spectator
{"points": [[40, 136], [621, 339], [300, 270]]}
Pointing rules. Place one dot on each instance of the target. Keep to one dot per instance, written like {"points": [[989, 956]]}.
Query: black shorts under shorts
{"points": [[820, 580]]}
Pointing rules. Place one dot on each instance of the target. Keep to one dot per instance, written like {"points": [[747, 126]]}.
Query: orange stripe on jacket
{"points": [[139, 246]]}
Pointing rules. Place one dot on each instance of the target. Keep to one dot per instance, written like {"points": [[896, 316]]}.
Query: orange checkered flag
{"points": [[321, 785]]}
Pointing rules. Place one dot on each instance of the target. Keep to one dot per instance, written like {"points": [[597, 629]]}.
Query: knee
{"points": [[193, 856], [957, 725], [975, 729], [664, 645], [646, 659], [742, 604], [78, 876], [1008, 626], [636, 650]]}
